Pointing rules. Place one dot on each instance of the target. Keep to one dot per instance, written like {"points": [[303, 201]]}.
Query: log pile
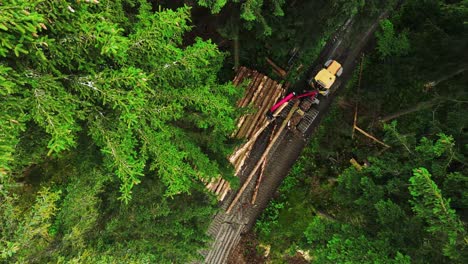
{"points": [[261, 93]]}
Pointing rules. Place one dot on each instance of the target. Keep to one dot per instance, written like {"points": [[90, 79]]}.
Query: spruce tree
{"points": [[95, 95], [117, 72], [443, 222]]}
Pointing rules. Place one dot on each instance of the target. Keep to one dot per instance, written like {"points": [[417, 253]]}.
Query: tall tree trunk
{"points": [[236, 52], [432, 84], [416, 108]]}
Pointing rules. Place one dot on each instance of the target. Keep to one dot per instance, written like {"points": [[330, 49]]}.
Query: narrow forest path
{"points": [[226, 228]]}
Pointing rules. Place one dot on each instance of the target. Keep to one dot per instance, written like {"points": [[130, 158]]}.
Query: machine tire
{"points": [[328, 63], [339, 72]]}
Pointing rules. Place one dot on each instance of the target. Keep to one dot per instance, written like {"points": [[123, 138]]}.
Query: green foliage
{"points": [[53, 109], [79, 213], [375, 200], [25, 234], [346, 244], [455, 186], [163, 229], [214, 5], [9, 217], [443, 223], [431, 150], [94, 96], [250, 11], [87, 223], [369, 218], [9, 137], [269, 219], [19, 26], [122, 78], [389, 43]]}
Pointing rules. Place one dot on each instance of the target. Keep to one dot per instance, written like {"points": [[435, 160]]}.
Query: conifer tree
{"points": [[117, 72], [443, 222], [380, 218], [250, 10], [94, 95]]}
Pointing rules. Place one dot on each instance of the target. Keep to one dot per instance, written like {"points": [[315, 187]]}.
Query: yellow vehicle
{"points": [[325, 78]]}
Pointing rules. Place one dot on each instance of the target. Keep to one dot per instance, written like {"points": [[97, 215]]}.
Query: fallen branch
{"points": [[370, 136], [257, 186], [277, 69], [356, 164], [260, 178], [325, 215]]}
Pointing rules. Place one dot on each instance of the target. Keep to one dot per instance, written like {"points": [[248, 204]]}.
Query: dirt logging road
{"points": [[236, 218]]}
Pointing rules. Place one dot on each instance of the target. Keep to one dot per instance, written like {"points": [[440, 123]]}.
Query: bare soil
{"points": [[246, 251]]}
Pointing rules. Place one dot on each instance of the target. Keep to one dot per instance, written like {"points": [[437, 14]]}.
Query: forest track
{"points": [[226, 229]]}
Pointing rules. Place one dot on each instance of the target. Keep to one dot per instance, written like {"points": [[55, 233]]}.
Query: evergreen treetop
{"points": [[117, 72]]}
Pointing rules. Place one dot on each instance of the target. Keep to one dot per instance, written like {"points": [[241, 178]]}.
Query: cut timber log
{"points": [[262, 171], [249, 178], [433, 84], [252, 140], [248, 119], [261, 93], [240, 76], [256, 80], [248, 146], [277, 69], [212, 182], [262, 118], [224, 192], [418, 107], [259, 181], [220, 186], [265, 106], [236, 52], [261, 110], [357, 93], [216, 184], [278, 93], [247, 100]]}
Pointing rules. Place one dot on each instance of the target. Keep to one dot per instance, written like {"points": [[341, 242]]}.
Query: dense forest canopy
{"points": [[96, 95], [120, 78], [113, 114]]}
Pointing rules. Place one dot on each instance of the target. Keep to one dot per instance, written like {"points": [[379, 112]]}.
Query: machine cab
{"points": [[327, 76]]}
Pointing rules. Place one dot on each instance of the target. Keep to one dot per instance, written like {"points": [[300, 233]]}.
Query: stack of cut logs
{"points": [[261, 94]]}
